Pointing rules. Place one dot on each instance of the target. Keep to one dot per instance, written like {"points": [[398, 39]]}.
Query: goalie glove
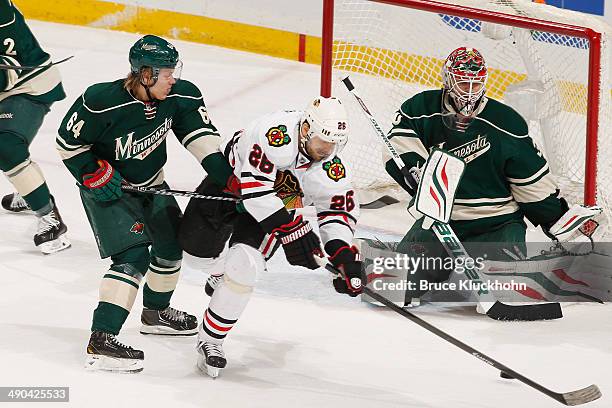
{"points": [[300, 243], [572, 221], [348, 260]]}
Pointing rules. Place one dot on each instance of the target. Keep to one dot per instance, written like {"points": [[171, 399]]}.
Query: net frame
{"points": [[589, 34]]}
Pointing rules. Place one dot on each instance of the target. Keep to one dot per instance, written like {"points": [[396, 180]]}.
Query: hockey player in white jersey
{"points": [[284, 161]]}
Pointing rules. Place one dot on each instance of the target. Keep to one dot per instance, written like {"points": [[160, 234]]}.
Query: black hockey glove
{"points": [[300, 243], [412, 177], [348, 260]]}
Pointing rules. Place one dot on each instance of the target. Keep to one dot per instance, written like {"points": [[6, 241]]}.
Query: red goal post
{"points": [[520, 20]]}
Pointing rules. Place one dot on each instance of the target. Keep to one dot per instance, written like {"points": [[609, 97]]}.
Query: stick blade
{"points": [[579, 397], [545, 311]]}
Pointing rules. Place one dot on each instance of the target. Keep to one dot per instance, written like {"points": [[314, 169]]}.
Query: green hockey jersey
{"points": [[506, 176], [107, 122], [18, 47]]}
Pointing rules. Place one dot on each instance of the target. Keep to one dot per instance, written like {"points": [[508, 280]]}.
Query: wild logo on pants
{"points": [[137, 228]]}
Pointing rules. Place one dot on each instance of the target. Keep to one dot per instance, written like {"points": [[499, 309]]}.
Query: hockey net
{"points": [[557, 77]]}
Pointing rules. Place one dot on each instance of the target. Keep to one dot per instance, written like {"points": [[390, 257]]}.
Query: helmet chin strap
{"points": [[155, 73]]}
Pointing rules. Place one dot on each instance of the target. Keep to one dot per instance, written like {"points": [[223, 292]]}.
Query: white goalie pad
{"points": [[552, 279], [439, 181]]}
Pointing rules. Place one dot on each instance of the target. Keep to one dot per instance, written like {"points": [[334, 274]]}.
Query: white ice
{"points": [[298, 343]]}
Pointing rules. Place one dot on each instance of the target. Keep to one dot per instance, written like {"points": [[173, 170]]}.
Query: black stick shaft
{"points": [[179, 193], [594, 394]]}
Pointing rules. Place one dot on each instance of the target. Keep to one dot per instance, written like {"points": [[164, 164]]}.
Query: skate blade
{"points": [[25, 211], [96, 362], [54, 246], [209, 370], [166, 331]]}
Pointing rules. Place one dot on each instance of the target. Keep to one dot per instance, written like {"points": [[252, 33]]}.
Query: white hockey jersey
{"points": [[268, 147]]}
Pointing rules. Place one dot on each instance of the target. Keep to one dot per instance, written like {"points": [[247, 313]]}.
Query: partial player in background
{"points": [[284, 160], [26, 95], [116, 133], [506, 178]]}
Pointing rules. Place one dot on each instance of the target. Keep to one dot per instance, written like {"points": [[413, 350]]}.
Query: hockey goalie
{"points": [[506, 178]]}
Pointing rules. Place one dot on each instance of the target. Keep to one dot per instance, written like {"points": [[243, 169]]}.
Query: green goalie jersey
{"points": [[506, 177], [18, 48], [107, 122]]}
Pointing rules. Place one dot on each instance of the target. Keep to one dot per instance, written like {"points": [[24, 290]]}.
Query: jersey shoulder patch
{"points": [[276, 133], [334, 168], [278, 136]]}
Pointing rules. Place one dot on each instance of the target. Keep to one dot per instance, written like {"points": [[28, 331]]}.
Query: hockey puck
{"points": [[505, 375]]}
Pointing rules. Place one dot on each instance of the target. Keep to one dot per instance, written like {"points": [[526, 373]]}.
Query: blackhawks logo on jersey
{"points": [[288, 189], [137, 228], [335, 169], [277, 136]]}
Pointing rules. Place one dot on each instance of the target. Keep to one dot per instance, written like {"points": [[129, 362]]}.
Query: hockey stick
{"points": [[492, 307], [179, 193], [31, 67], [578, 397]]}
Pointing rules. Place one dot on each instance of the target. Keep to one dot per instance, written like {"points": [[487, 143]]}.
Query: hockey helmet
{"points": [[327, 119], [156, 53], [464, 75]]}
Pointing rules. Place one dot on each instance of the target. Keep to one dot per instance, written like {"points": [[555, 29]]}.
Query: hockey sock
{"points": [[162, 278], [29, 182], [224, 309], [119, 288]]}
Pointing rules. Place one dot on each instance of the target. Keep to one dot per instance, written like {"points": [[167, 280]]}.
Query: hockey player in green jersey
{"points": [[116, 133], [506, 177], [26, 96]]}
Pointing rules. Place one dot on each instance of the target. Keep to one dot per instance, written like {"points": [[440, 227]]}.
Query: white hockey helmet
{"points": [[327, 119]]}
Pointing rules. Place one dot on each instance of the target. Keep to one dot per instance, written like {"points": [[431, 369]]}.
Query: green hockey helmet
{"points": [[154, 52]]}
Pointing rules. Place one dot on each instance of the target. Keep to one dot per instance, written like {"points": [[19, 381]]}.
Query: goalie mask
{"points": [[464, 76], [327, 120]]}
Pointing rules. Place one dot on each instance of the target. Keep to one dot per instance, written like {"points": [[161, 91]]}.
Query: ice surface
{"points": [[298, 343]]}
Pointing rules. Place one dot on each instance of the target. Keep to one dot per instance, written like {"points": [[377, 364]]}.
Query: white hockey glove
{"points": [[573, 221]]}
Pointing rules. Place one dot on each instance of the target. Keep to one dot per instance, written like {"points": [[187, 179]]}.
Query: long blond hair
{"points": [[134, 79]]}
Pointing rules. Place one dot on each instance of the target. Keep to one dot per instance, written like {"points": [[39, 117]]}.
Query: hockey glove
{"points": [[578, 218], [300, 243], [104, 183], [348, 260], [412, 177]]}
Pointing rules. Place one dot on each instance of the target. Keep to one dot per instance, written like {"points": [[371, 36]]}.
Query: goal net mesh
{"points": [[392, 52]]}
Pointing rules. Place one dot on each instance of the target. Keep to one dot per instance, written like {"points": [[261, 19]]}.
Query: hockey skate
{"points": [[51, 235], [169, 321], [212, 283], [106, 353], [15, 203], [211, 358]]}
